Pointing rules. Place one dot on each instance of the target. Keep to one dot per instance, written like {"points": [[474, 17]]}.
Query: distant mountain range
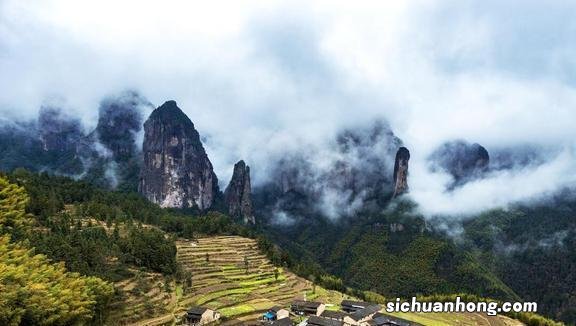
{"points": [[348, 217]]}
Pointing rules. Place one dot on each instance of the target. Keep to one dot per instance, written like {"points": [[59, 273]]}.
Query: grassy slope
{"points": [[222, 283]]}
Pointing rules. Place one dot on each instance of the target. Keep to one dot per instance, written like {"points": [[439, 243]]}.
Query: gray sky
{"points": [[260, 77]]}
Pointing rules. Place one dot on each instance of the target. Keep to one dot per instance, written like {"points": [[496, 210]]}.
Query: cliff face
{"points": [[58, 133], [401, 171], [176, 170], [238, 194]]}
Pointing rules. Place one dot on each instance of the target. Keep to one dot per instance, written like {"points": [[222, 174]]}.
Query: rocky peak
{"points": [[401, 171], [176, 170], [464, 161], [238, 194]]}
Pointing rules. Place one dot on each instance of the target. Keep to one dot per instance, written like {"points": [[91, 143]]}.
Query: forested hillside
{"points": [[34, 290], [533, 250], [391, 253]]}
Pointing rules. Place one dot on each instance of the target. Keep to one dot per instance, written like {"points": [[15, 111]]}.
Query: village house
{"points": [[350, 306], [197, 316], [319, 321], [362, 316], [275, 313], [300, 307], [334, 315]]}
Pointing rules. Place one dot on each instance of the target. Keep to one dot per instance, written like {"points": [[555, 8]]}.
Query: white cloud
{"points": [[257, 77], [499, 189]]}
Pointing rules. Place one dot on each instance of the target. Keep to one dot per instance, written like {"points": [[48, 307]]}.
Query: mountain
{"points": [[52, 142], [176, 170], [354, 171], [108, 156], [58, 132], [119, 122], [113, 149]]}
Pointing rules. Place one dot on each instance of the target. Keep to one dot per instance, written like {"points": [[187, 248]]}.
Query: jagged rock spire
{"points": [[401, 171], [238, 194]]}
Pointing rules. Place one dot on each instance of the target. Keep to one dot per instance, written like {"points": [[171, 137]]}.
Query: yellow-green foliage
{"points": [[13, 200], [32, 289]]}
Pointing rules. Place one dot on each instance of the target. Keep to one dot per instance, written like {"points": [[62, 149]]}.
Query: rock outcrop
{"points": [[462, 160], [119, 122], [238, 194], [401, 171], [176, 170]]}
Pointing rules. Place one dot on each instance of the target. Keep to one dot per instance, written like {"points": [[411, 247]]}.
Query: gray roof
{"points": [[358, 304], [196, 310], [319, 321], [307, 304], [333, 314], [365, 312]]}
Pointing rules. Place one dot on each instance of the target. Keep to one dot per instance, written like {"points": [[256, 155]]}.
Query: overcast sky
{"points": [[258, 77]]}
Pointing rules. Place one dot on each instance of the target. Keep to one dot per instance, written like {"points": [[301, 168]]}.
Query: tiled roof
{"points": [[365, 312]]}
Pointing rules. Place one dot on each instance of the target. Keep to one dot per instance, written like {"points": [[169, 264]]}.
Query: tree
{"points": [[13, 201], [246, 263], [312, 278], [276, 273]]}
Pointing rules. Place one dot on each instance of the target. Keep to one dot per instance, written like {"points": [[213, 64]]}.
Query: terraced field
{"points": [[143, 296], [231, 275]]}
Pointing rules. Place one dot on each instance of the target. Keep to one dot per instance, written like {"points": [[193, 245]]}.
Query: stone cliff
{"points": [[176, 170]]}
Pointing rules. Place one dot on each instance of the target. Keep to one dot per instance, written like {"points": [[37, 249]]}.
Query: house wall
{"points": [[349, 321], [320, 309], [209, 316], [282, 313], [362, 322]]}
